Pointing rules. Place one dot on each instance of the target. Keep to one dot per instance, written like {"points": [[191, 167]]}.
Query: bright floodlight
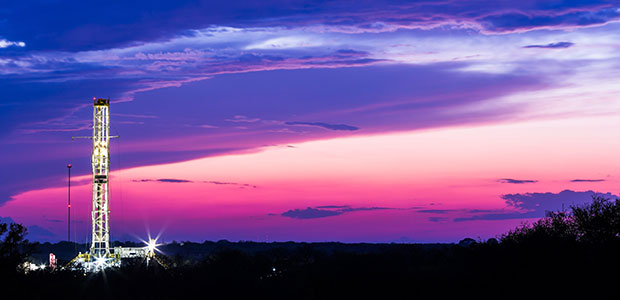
{"points": [[100, 262], [152, 245]]}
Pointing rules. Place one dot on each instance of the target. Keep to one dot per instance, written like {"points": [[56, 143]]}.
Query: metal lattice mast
{"points": [[101, 167], [100, 255]]}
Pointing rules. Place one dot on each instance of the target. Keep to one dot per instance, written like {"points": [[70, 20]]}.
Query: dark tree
{"points": [[557, 227], [14, 248], [597, 222]]}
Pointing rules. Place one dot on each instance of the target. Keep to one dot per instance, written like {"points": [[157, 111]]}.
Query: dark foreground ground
{"points": [[329, 270], [565, 255]]}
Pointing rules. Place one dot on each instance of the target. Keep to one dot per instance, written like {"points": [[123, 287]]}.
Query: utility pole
{"points": [[69, 204]]}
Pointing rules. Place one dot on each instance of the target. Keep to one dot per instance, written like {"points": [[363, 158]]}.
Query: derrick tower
{"points": [[100, 255], [100, 161]]}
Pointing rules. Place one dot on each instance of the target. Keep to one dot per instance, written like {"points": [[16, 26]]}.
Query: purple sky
{"points": [[196, 79]]}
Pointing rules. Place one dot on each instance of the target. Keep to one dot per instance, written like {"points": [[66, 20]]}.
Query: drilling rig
{"points": [[100, 246], [100, 255]]}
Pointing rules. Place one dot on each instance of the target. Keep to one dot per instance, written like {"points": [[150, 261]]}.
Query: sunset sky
{"points": [[352, 121]]}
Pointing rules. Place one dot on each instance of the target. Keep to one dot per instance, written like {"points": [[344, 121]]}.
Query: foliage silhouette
{"points": [[564, 254], [14, 248], [597, 222]]}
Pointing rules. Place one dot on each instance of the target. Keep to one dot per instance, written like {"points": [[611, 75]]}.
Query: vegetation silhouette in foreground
{"points": [[14, 247], [595, 223], [563, 253]]}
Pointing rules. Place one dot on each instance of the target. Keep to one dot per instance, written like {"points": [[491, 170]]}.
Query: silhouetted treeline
{"points": [[565, 254], [194, 252]]}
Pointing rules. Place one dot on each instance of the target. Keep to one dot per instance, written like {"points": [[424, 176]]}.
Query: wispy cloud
{"points": [[231, 183], [558, 45], [350, 209], [436, 211], [310, 213], [208, 126], [169, 180], [39, 130], [167, 21], [533, 205], [243, 119], [139, 116], [175, 180], [5, 44], [587, 180], [516, 181], [332, 206], [129, 122], [324, 125], [326, 211]]}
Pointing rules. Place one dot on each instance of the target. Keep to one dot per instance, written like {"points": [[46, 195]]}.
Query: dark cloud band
{"points": [[559, 45], [324, 125], [326, 211], [516, 181]]}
